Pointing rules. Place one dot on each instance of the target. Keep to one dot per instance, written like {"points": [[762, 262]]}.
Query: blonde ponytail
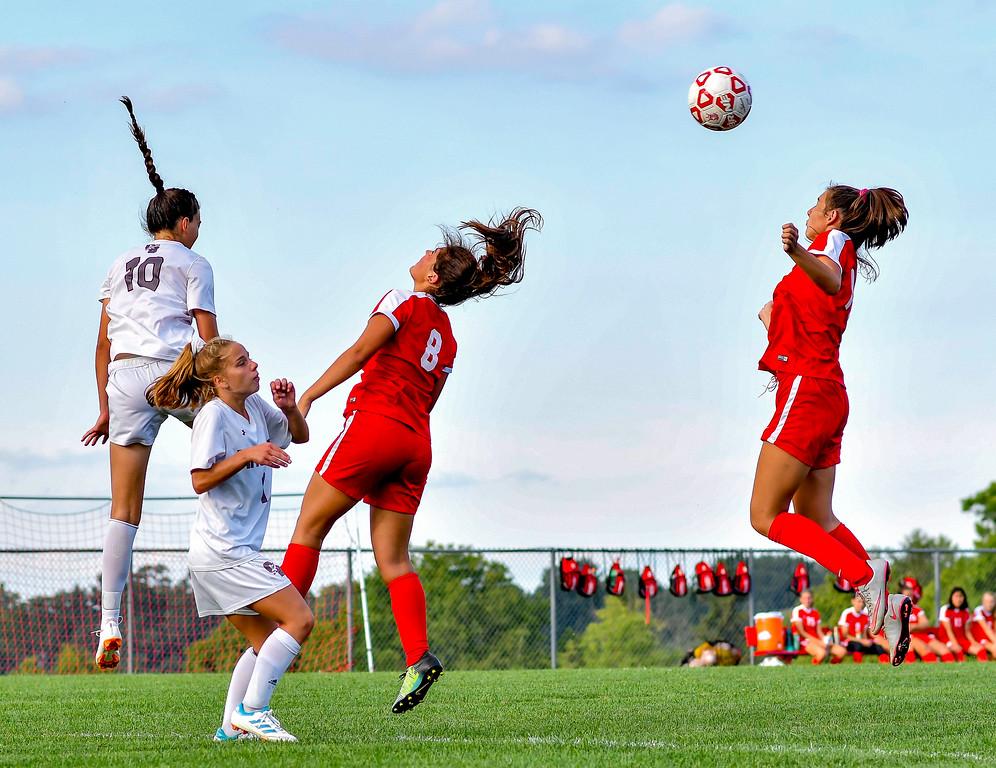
{"points": [[187, 384]]}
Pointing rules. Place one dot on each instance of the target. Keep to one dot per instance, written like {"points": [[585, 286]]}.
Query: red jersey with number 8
{"points": [[807, 324], [402, 377]]}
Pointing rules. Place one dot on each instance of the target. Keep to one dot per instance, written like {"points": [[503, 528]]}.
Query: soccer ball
{"points": [[719, 99]]}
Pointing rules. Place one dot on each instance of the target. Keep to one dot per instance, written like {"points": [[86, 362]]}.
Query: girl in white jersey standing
{"points": [[238, 439], [154, 299]]}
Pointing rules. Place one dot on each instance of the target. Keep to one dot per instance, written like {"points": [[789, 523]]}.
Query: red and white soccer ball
{"points": [[719, 99]]}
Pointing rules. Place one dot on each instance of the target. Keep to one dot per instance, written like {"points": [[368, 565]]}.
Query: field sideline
{"points": [[848, 715]]}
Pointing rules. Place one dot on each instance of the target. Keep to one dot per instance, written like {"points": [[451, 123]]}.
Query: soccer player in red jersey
{"points": [[384, 452], [923, 641], [853, 628], [954, 618], [805, 321], [982, 622], [806, 623]]}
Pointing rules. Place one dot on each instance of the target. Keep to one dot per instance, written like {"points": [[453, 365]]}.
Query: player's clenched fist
{"points": [[790, 237], [284, 396]]}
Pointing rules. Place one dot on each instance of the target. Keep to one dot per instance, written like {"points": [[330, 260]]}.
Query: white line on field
{"points": [[654, 744]]}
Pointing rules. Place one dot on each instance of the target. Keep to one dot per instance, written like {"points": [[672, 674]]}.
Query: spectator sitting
{"points": [[853, 631], [923, 641], [806, 624], [982, 629], [954, 618]]}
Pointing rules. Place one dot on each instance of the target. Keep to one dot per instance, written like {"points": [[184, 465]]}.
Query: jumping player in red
{"points": [[953, 619], [805, 321], [384, 452]]}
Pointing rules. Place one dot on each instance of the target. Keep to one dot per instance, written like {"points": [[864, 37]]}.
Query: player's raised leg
{"points": [[390, 533]]}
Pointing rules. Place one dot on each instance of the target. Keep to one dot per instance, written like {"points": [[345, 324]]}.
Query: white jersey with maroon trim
{"points": [[152, 291], [402, 377]]}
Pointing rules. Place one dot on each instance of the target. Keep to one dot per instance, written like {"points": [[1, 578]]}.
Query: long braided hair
{"points": [[169, 205]]}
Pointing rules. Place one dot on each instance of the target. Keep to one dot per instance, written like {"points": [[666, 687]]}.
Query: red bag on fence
{"points": [[800, 579], [568, 574], [615, 582], [706, 578], [908, 582], [648, 583], [741, 581], [724, 587], [843, 585], [679, 584], [587, 581]]}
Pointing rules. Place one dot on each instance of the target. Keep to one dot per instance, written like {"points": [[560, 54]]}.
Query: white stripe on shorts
{"points": [[335, 446], [785, 411]]}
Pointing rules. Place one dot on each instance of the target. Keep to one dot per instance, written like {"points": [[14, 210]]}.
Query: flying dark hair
{"points": [[169, 205], [870, 217], [477, 259]]}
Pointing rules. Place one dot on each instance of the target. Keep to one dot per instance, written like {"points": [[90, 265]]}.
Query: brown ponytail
{"points": [[187, 384], [169, 205], [484, 259], [870, 217]]}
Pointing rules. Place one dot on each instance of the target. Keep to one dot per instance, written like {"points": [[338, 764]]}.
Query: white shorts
{"points": [[228, 589], [133, 420]]}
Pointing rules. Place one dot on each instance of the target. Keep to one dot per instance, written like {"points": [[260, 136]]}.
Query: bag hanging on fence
{"points": [[843, 585], [912, 584], [648, 583], [706, 578], [724, 587], [568, 574], [587, 581], [615, 582], [679, 584], [800, 579], [741, 581]]}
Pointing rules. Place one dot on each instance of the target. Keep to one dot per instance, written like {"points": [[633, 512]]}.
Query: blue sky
{"points": [[613, 397]]}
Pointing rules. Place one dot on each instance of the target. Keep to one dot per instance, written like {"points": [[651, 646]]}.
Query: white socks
{"points": [[237, 688], [116, 564], [272, 661]]}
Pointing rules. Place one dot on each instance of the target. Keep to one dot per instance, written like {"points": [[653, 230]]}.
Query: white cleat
{"points": [[263, 724], [897, 627], [109, 645], [876, 594]]}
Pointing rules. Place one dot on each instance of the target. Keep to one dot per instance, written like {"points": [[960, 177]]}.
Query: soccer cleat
{"points": [[875, 594], [109, 645], [220, 735], [416, 681], [897, 627], [262, 724]]}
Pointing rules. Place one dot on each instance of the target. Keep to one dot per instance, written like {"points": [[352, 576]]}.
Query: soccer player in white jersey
{"points": [[238, 439], [155, 298]]}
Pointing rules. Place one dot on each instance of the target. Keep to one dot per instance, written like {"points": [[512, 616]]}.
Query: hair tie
{"points": [[862, 192]]}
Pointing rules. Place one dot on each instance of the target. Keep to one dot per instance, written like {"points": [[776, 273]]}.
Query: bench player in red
{"points": [[923, 640], [384, 452], [953, 619], [806, 624], [982, 626], [805, 321], [853, 630]]}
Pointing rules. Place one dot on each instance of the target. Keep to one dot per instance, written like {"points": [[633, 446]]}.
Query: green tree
{"points": [[983, 506], [619, 637]]}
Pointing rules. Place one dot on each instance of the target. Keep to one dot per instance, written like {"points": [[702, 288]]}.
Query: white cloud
{"points": [[29, 59], [11, 95], [673, 23]]}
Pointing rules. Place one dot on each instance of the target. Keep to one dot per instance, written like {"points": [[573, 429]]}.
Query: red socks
{"points": [[982, 655], [808, 538], [930, 658], [849, 540], [300, 566], [408, 605], [948, 658]]}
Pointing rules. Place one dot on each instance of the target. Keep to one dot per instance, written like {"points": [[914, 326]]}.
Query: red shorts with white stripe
{"points": [[979, 634], [380, 460], [809, 419]]}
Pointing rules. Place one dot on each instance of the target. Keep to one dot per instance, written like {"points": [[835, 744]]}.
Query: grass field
{"points": [[848, 715]]}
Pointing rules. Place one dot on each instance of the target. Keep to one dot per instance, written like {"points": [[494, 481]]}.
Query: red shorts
{"points": [[380, 460], [809, 419], [979, 634]]}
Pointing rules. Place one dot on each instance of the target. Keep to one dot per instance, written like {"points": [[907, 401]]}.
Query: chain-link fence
{"points": [[488, 608]]}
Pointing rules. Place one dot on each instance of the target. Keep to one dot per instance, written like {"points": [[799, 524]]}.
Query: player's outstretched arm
{"points": [[284, 397], [819, 269], [378, 332], [98, 433], [266, 454]]}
